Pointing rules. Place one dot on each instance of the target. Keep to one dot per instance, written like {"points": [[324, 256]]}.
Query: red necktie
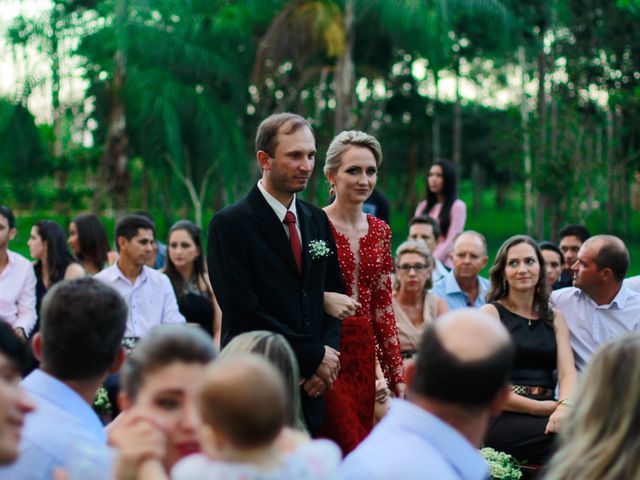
{"points": [[294, 238]]}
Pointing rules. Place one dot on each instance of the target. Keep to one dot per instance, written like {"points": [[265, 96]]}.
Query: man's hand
{"points": [[329, 367], [315, 386]]}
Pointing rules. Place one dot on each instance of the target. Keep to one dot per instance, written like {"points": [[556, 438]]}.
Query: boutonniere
{"points": [[318, 249]]}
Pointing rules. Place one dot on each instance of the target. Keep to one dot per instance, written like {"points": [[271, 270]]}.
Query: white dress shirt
{"points": [[280, 210], [150, 299], [18, 292], [591, 325]]}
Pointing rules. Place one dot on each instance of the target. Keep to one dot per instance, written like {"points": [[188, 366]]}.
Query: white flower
{"points": [[318, 249]]}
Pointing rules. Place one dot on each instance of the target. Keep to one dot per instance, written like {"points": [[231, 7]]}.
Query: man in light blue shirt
{"points": [[460, 382], [82, 325], [599, 307], [463, 287]]}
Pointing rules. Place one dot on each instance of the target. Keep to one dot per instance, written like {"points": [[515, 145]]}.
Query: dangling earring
{"points": [[332, 191], [504, 285]]}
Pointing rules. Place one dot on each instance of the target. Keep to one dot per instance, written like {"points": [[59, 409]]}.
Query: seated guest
{"points": [[159, 250], [519, 298], [15, 404], [78, 346], [414, 305], [159, 381], [460, 383], [599, 307], [242, 403], [89, 243], [186, 270], [427, 229], [147, 292], [17, 280], [553, 263], [571, 239], [463, 286], [600, 440]]}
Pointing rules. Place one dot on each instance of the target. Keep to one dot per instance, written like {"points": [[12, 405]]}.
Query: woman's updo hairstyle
{"points": [[347, 139]]}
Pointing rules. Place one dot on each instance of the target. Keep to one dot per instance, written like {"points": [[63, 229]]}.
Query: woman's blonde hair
{"points": [[419, 248], [602, 438], [345, 140], [275, 348]]}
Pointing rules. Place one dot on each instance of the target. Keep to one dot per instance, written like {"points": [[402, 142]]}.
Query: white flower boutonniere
{"points": [[318, 249]]}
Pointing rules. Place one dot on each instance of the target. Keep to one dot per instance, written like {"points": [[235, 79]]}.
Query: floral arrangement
{"points": [[318, 249], [501, 465], [101, 403]]}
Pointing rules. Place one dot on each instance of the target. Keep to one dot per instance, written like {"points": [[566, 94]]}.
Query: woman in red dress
{"points": [[364, 252]]}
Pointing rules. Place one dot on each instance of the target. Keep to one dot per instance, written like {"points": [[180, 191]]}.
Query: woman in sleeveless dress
{"points": [[519, 297], [364, 252]]}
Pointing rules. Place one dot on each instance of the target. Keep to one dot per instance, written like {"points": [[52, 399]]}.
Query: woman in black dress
{"points": [[520, 299], [88, 241], [186, 269]]}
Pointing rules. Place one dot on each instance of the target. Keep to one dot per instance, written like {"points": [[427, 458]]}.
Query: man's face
{"points": [[424, 232], [586, 275], [468, 257], [290, 168], [569, 247], [139, 248], [14, 405], [6, 233]]}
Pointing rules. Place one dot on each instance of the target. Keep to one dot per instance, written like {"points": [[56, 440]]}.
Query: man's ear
{"points": [[36, 344], [485, 260], [263, 160], [12, 234], [123, 400], [118, 361], [121, 241], [500, 401]]}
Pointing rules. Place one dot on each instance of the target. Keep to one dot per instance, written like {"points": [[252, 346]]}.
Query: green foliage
{"points": [[501, 465]]}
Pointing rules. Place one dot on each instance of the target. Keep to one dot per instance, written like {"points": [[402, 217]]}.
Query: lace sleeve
{"points": [[384, 321]]}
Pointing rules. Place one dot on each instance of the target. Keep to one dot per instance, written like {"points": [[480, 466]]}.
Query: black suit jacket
{"points": [[258, 285]]}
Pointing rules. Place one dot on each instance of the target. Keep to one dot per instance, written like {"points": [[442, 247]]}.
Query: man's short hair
{"points": [[129, 225], [8, 214], [613, 254], [14, 349], [267, 135], [474, 233], [426, 220], [441, 376], [83, 322], [575, 230]]}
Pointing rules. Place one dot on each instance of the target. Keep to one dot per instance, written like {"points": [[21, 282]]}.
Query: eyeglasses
{"points": [[418, 267]]}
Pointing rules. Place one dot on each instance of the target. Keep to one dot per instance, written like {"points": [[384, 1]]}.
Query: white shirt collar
{"points": [[279, 209]]}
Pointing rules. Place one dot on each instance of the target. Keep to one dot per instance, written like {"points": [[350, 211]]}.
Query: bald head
{"points": [[608, 251], [464, 359], [471, 237]]}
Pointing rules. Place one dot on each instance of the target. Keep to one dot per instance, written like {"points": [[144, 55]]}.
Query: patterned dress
{"points": [[371, 333]]}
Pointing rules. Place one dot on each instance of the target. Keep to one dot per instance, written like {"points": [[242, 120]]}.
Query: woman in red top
{"points": [[364, 252]]}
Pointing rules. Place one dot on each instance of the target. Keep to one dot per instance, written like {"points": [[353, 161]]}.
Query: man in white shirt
{"points": [[17, 280], [599, 307], [148, 293]]}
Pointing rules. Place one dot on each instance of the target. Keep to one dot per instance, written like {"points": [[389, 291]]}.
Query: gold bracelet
{"points": [[566, 402]]}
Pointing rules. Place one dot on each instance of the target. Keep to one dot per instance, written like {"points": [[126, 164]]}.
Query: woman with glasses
{"points": [[414, 305]]}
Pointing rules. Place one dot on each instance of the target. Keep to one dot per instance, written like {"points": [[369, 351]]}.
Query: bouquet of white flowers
{"points": [[501, 465]]}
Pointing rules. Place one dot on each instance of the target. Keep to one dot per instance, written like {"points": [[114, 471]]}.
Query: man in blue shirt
{"points": [[79, 344], [460, 382], [463, 286]]}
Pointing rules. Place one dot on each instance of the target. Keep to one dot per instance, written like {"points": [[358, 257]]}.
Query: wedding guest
{"points": [[442, 203], [519, 298], [553, 263], [242, 403], [15, 404], [158, 398], [158, 256], [459, 384], [148, 293], [427, 229], [186, 269], [88, 241], [78, 345], [370, 333], [54, 262], [17, 280], [571, 239], [600, 440], [414, 305], [463, 286]]}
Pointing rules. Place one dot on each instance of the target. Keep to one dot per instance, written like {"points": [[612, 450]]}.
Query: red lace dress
{"points": [[371, 333]]}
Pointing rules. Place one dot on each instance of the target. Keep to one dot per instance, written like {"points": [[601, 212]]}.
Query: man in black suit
{"points": [[271, 275]]}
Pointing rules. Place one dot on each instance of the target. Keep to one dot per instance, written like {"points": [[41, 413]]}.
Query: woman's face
{"points": [[436, 179], [73, 241], [412, 271], [37, 246], [182, 249], [169, 394], [356, 176], [522, 270], [553, 266]]}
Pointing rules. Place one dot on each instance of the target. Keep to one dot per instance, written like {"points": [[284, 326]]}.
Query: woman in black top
{"points": [[89, 243], [520, 299]]}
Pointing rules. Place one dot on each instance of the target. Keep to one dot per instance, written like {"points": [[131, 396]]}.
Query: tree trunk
{"points": [[478, 180], [435, 126], [542, 134], [345, 75], [413, 173], [457, 123], [526, 146], [611, 187]]}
